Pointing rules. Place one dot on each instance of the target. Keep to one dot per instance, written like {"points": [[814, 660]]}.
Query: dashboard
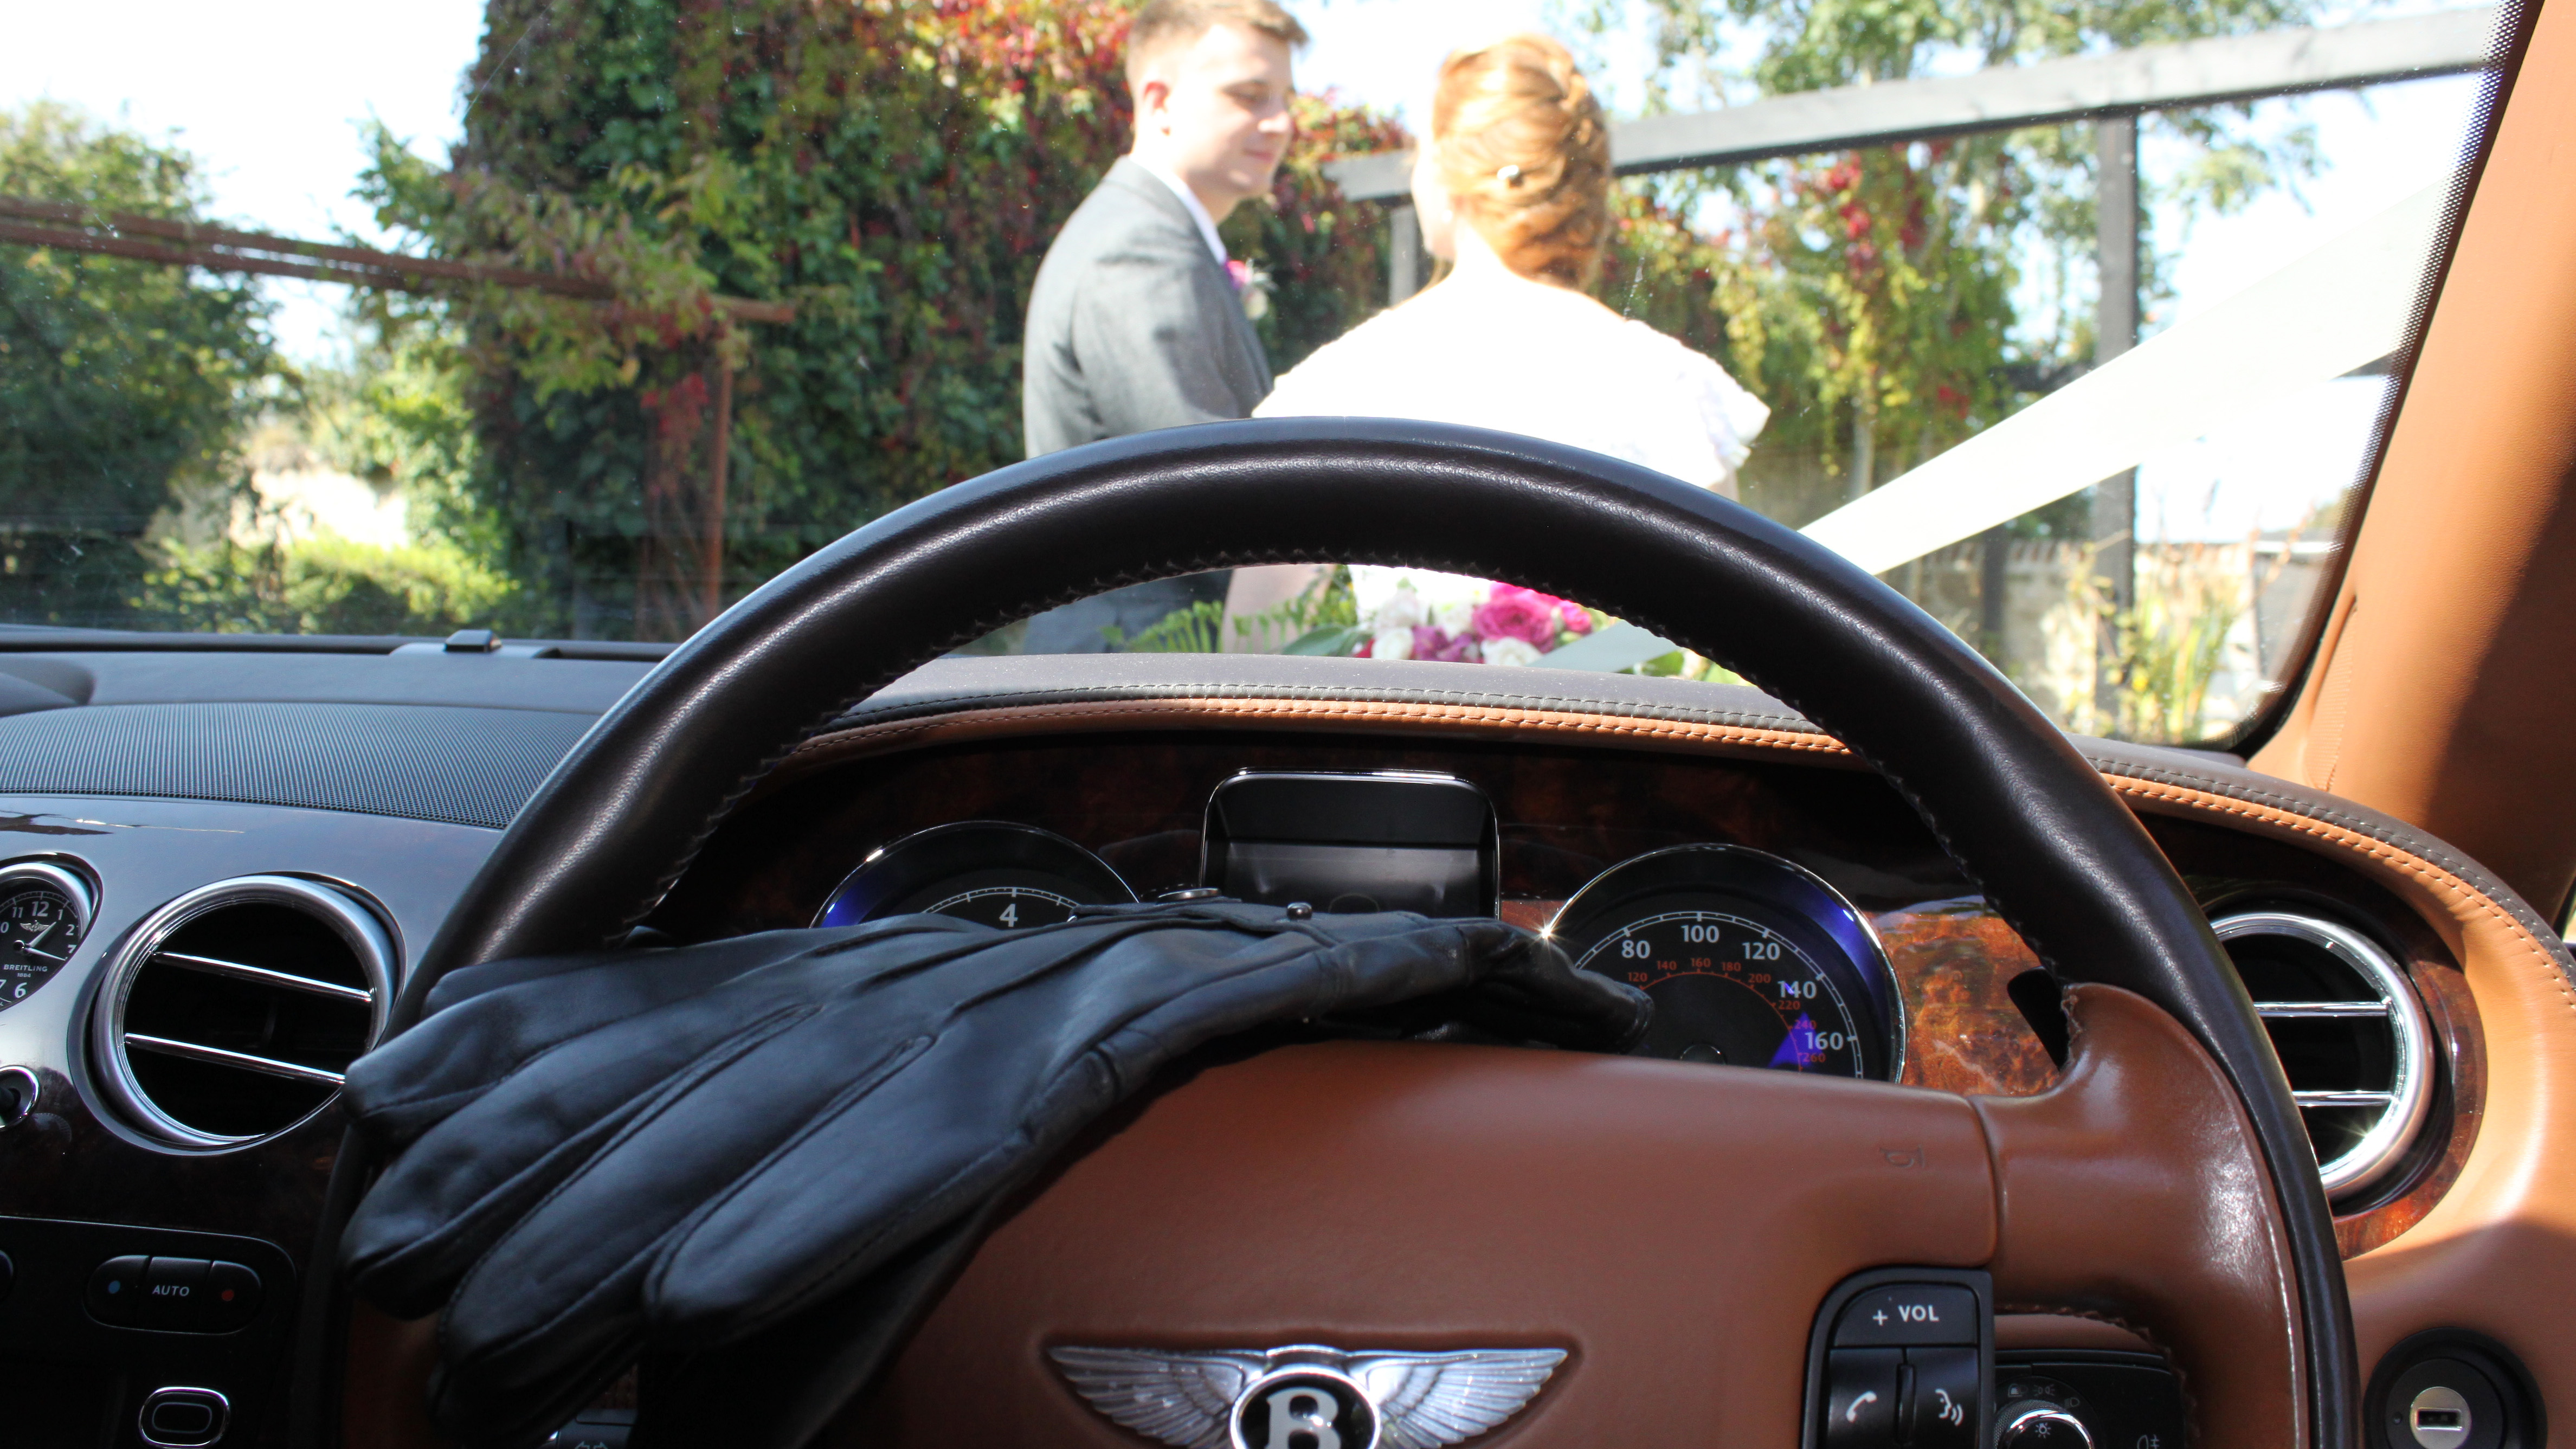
{"points": [[1785, 914], [214, 872]]}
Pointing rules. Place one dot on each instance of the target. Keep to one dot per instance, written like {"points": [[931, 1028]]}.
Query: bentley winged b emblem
{"points": [[1307, 1396]]}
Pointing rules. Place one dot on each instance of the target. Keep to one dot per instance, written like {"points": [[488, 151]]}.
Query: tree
{"points": [[894, 169], [1876, 309], [123, 384]]}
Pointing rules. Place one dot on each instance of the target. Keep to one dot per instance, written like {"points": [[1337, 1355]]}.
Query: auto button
{"points": [[172, 1290]]}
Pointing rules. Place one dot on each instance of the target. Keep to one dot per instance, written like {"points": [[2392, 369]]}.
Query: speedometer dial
{"points": [[1729, 988], [994, 872], [1751, 960]]}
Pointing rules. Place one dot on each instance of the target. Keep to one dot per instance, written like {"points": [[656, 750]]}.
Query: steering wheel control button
{"points": [[1860, 1397], [1940, 1412], [1902, 1358], [180, 1418], [2039, 1424], [172, 1290], [231, 1298], [116, 1291], [1909, 1313]]}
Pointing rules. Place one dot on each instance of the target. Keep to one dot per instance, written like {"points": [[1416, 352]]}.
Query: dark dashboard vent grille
{"points": [[235, 1011], [2350, 1035]]}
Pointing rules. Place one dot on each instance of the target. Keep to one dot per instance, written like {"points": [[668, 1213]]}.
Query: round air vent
{"points": [[231, 1014], [2350, 1034]]}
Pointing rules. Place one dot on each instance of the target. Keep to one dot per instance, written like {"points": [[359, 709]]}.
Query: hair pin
{"points": [[1509, 175]]}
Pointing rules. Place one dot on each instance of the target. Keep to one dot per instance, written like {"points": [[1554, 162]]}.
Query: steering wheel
{"points": [[1673, 1227]]}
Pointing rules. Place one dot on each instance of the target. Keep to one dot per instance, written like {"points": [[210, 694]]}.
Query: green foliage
{"points": [[894, 169], [122, 383], [1324, 620], [1197, 629], [1870, 297], [324, 585]]}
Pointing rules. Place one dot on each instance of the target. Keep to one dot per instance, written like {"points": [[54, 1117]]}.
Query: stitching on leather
{"points": [[1564, 704], [1202, 707], [2434, 875]]}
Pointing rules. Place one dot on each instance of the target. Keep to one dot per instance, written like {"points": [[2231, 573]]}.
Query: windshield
{"points": [[577, 319]]}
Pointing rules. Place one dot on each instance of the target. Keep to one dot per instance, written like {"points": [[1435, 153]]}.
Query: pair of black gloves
{"points": [[665, 1152]]}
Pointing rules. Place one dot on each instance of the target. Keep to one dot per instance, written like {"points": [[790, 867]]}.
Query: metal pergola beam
{"points": [[2148, 78]]}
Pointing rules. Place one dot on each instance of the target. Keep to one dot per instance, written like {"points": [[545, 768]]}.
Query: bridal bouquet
{"points": [[1481, 624]]}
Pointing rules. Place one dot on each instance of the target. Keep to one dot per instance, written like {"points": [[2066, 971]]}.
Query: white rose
{"points": [[1392, 644], [1454, 618], [1508, 650], [1402, 610]]}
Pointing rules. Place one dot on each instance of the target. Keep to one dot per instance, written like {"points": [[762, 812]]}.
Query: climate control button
{"points": [[116, 1291]]}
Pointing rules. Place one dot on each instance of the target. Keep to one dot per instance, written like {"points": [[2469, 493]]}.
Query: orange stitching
{"points": [[2433, 875], [1198, 708]]}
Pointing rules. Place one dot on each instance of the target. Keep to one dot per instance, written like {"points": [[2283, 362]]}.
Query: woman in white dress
{"points": [[1513, 193]]}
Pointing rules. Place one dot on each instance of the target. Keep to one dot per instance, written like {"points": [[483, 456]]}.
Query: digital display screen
{"points": [[1350, 844]]}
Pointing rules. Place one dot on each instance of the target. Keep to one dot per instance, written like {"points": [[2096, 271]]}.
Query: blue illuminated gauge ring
{"points": [[1752, 961], [996, 872]]}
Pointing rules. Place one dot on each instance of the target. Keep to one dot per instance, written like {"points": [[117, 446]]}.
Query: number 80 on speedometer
{"points": [[1751, 961], [1729, 989]]}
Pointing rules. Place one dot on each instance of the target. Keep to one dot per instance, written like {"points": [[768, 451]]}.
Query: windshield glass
{"points": [[577, 319]]}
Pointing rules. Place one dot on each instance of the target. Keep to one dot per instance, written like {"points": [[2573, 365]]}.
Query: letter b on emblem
{"points": [[1303, 1408], [1304, 1412]]}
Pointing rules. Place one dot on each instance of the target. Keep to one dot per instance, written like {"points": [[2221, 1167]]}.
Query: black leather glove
{"points": [[672, 1149]]}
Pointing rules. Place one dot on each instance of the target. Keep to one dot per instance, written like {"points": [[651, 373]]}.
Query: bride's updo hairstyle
{"points": [[1525, 154]]}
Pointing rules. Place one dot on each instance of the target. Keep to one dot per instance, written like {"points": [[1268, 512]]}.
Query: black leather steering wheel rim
{"points": [[2064, 861]]}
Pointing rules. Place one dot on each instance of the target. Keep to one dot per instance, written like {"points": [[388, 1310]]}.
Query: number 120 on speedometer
{"points": [[1729, 989]]}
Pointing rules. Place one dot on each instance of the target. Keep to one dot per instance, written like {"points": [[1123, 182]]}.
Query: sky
{"points": [[273, 97]]}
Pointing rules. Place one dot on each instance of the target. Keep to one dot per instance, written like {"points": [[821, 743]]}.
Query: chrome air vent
{"points": [[231, 1014], [2350, 1034]]}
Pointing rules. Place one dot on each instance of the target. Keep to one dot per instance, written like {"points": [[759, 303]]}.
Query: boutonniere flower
{"points": [[1253, 285]]}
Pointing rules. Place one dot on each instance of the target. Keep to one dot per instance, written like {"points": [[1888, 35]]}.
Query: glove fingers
{"points": [[443, 1203], [1000, 1092], [513, 1012], [667, 1164], [583, 1251], [466, 1179]]}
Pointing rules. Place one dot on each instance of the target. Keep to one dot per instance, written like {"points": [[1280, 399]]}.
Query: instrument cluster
{"points": [[1752, 960]]}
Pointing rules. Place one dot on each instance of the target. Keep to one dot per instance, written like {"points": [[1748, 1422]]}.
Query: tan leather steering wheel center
{"points": [[1672, 1227]]}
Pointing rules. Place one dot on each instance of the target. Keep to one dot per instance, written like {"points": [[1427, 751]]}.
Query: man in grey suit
{"points": [[1136, 323]]}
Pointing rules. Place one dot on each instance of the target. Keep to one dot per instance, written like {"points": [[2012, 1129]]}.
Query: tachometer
{"points": [[1752, 961], [995, 872]]}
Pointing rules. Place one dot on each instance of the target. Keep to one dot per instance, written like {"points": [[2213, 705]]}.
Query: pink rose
{"points": [[1578, 619], [1430, 643], [1524, 614]]}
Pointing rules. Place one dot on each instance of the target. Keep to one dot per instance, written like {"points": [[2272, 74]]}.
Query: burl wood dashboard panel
{"points": [[1565, 815]]}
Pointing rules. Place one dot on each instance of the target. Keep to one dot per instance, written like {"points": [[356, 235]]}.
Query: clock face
{"points": [[40, 927]]}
